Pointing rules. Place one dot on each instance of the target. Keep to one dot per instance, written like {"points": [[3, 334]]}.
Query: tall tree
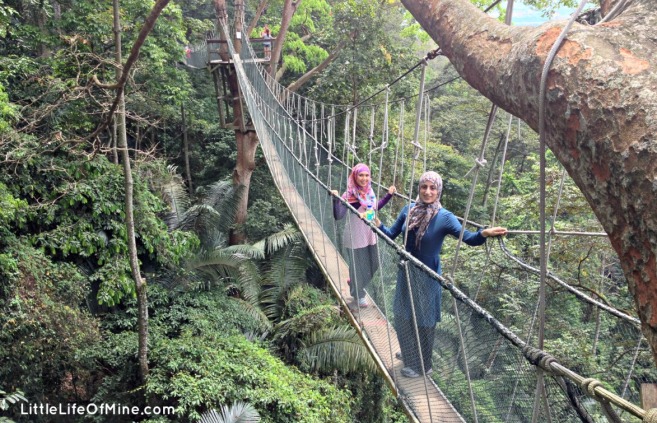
{"points": [[122, 144], [246, 138], [600, 112]]}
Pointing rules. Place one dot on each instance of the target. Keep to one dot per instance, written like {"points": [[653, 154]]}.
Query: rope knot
{"points": [[589, 384], [650, 416], [532, 354]]}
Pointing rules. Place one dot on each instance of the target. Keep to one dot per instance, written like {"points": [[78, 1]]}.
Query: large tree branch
{"points": [[132, 59], [317, 69], [289, 9], [256, 18]]}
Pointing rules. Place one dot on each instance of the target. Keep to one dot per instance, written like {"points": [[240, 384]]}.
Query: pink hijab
{"points": [[355, 193]]}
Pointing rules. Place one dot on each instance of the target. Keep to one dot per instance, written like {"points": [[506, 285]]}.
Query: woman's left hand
{"points": [[392, 190], [496, 231]]}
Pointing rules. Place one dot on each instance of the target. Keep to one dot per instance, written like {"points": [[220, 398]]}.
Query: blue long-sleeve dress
{"points": [[428, 290], [427, 293]]}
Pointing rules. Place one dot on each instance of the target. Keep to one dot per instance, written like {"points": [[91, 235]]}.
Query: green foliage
{"points": [[8, 111], [43, 325], [76, 213], [207, 371]]}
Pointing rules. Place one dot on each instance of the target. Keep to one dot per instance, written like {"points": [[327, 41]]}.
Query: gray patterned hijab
{"points": [[422, 213]]}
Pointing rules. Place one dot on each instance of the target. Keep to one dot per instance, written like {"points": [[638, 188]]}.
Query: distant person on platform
{"points": [[188, 54], [266, 34], [428, 225]]}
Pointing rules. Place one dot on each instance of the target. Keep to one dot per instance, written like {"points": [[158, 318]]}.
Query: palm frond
{"points": [[305, 323], [255, 312], [289, 234], [217, 264], [247, 250], [283, 273], [248, 282], [224, 197], [239, 412], [336, 348], [227, 264], [199, 218], [260, 246], [173, 192]]}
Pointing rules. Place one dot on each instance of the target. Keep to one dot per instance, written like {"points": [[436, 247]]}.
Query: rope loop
{"points": [[589, 384], [547, 360], [650, 416]]}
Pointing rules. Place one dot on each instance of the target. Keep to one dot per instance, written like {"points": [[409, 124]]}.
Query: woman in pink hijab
{"points": [[358, 238]]}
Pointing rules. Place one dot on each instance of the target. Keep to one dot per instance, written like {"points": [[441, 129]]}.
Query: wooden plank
{"points": [[423, 403]]}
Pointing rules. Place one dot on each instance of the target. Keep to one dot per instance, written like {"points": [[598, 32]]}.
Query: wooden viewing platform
{"points": [[371, 324]]}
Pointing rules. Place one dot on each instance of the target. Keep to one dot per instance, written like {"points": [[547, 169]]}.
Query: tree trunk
{"points": [[142, 298], [245, 139], [188, 171], [600, 113], [247, 144]]}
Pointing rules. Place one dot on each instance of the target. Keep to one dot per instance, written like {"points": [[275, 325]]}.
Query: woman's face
{"points": [[363, 178], [428, 192]]}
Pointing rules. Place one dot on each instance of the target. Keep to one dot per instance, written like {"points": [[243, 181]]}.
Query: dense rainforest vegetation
{"points": [[252, 322]]}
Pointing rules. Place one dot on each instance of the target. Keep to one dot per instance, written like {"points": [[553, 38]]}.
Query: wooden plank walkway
{"points": [[423, 404]]}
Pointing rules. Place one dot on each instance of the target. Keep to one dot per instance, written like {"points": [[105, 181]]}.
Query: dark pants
{"points": [[364, 264], [409, 347]]}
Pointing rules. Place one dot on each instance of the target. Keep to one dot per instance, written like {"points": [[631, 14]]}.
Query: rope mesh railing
{"points": [[502, 380]]}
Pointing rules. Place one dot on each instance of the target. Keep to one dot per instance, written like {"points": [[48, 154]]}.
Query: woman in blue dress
{"points": [[428, 225]]}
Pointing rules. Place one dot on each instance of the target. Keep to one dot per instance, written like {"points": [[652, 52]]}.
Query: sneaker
{"points": [[398, 356], [408, 372], [362, 302]]}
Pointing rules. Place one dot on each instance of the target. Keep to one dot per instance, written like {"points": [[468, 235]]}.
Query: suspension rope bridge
{"points": [[482, 370]]}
